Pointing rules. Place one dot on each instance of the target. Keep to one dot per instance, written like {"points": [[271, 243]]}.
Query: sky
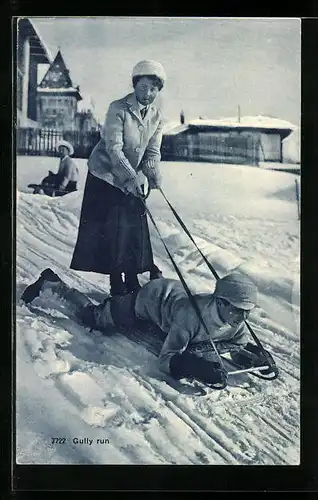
{"points": [[212, 64]]}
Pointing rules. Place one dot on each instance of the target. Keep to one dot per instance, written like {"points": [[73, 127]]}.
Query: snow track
{"points": [[77, 384]]}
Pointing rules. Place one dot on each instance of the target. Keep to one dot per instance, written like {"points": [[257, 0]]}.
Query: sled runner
{"points": [[252, 360], [249, 359], [48, 190]]}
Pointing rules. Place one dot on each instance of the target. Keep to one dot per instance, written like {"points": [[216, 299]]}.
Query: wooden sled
{"points": [[48, 190]]}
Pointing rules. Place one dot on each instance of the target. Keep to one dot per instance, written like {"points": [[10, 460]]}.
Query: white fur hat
{"points": [[67, 145], [148, 67]]}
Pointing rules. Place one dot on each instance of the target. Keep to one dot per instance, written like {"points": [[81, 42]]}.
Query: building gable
{"points": [[57, 76]]}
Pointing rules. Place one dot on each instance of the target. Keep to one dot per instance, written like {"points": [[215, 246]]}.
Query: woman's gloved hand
{"points": [[154, 181], [132, 186], [151, 170], [123, 175]]}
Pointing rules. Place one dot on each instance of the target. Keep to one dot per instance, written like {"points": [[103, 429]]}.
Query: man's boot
{"points": [[33, 290]]}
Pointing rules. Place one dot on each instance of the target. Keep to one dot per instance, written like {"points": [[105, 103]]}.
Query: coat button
{"points": [[137, 150], [141, 127]]}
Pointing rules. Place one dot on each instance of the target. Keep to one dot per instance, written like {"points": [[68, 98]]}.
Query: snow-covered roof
{"points": [[66, 89], [246, 122], [175, 129], [170, 126], [259, 121], [45, 47]]}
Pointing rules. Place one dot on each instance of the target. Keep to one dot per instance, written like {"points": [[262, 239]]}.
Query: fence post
{"points": [[297, 197]]}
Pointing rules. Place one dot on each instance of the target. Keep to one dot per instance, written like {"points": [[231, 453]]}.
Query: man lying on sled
{"points": [[164, 302]]}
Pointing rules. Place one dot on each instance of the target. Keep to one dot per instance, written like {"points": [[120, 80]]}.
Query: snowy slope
{"points": [[74, 384]]}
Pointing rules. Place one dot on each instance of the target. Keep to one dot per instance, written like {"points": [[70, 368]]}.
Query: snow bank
{"points": [[227, 189]]}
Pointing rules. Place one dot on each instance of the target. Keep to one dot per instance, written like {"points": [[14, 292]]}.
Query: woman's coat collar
{"points": [[134, 108]]}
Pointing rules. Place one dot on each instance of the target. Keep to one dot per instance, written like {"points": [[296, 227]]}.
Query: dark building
{"points": [[57, 98], [250, 141], [31, 51], [57, 101], [49, 111]]}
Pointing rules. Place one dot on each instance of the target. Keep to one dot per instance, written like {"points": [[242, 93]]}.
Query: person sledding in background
{"points": [[65, 180], [165, 304], [113, 235], [67, 175]]}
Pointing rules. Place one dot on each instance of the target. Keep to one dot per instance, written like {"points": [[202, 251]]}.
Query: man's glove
{"points": [[249, 356], [191, 366]]}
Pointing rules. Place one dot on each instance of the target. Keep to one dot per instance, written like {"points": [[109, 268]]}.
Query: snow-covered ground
{"points": [[104, 396]]}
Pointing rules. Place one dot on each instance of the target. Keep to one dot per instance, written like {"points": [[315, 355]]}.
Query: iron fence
{"points": [[191, 147], [43, 142]]}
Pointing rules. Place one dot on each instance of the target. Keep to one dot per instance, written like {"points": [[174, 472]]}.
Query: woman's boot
{"points": [[155, 272], [131, 281], [117, 285]]}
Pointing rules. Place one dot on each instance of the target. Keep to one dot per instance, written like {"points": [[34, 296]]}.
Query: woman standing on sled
{"points": [[113, 236]]}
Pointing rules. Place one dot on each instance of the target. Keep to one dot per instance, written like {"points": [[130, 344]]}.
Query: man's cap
{"points": [[237, 289]]}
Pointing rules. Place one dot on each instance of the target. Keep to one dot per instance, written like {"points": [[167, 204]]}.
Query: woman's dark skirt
{"points": [[113, 234]]}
